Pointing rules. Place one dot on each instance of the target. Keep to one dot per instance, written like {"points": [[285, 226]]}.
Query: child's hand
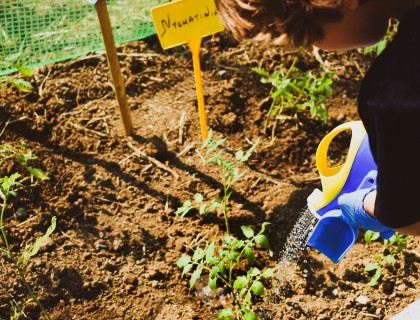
{"points": [[351, 204]]}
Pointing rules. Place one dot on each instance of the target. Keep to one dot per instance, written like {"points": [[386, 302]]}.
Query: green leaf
{"points": [[262, 241], [249, 254], [371, 267], [253, 272], [258, 288], [208, 139], [37, 173], [374, 281], [268, 273], [263, 227], [248, 297], [186, 269], [213, 283], [183, 261], [390, 258], [222, 268], [198, 198], [225, 314], [250, 316], [28, 254], [247, 231], [371, 236], [239, 155], [240, 282], [198, 254], [27, 72], [195, 276], [210, 252]]}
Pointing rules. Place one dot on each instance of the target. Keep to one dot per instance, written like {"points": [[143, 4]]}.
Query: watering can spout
{"points": [[335, 233]]}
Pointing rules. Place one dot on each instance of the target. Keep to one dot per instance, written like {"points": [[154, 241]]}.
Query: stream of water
{"points": [[295, 246]]}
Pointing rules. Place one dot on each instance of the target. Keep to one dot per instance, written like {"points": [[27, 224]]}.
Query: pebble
{"points": [[363, 300]]}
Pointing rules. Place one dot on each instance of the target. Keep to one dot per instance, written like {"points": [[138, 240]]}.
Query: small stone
{"points": [[86, 255], [335, 292], [21, 214], [117, 244], [363, 300]]}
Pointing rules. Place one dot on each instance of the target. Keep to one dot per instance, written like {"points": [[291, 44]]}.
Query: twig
{"points": [[41, 87], [86, 129], [126, 158], [186, 149], [368, 315], [201, 156], [152, 160], [181, 128], [9, 122]]}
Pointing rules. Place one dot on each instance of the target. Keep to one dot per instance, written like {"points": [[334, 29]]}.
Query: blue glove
{"points": [[351, 205]]}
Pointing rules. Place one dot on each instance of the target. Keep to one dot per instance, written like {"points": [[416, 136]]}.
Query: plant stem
{"points": [[15, 263], [225, 204]]}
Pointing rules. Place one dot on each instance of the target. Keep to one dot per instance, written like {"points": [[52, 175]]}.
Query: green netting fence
{"points": [[47, 31]]}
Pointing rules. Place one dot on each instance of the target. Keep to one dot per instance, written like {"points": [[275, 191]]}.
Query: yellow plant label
{"points": [[181, 21]]}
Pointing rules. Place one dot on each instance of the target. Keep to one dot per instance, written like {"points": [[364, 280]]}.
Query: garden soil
{"points": [[113, 254]]}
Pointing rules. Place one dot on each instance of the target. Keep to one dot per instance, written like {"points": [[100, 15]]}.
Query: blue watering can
{"points": [[335, 233]]}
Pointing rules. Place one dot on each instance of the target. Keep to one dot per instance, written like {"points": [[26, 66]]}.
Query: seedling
{"points": [[397, 243], [378, 47], [22, 154], [12, 62], [8, 188], [229, 174], [225, 264], [295, 90], [231, 263]]}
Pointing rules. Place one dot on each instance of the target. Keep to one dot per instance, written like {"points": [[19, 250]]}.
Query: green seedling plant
{"points": [[23, 155], [225, 265], [9, 185], [232, 262], [378, 47], [13, 62], [294, 89], [394, 245], [229, 174]]}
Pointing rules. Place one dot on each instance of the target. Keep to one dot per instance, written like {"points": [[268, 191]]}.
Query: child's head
{"points": [[328, 24], [297, 22]]}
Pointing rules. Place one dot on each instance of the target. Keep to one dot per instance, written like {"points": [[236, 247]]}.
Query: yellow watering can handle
{"points": [[334, 178]]}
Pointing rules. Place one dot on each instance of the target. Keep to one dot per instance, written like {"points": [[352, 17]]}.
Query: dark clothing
{"points": [[389, 106]]}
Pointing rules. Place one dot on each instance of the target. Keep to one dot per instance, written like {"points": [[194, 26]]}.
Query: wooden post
{"points": [[111, 53]]}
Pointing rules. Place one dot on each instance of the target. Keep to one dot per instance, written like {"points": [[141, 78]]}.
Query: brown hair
{"points": [[296, 22]]}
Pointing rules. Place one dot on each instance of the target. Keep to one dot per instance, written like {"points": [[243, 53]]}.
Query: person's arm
{"points": [[369, 205]]}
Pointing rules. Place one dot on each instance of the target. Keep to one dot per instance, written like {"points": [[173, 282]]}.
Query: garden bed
{"points": [[113, 254]]}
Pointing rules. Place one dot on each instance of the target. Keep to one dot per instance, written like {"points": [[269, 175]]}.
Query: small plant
{"points": [[378, 47], [232, 262], [12, 62], [225, 264], [229, 174], [8, 188], [22, 154], [397, 243], [296, 90]]}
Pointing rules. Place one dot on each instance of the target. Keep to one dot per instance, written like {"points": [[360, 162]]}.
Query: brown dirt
{"points": [[113, 253]]}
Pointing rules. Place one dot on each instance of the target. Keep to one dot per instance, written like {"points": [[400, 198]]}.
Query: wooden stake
{"points": [[111, 53]]}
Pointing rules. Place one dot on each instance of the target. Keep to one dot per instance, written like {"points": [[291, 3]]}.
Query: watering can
{"points": [[335, 233]]}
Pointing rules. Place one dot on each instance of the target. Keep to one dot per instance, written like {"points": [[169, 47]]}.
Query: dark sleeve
{"points": [[397, 132]]}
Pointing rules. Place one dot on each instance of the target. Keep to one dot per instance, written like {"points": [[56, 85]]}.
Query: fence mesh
{"points": [[46, 31]]}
